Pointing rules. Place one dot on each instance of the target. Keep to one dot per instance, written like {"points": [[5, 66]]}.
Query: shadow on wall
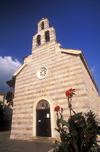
{"points": [[5, 118]]}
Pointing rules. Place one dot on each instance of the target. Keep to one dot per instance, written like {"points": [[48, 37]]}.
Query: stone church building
{"points": [[41, 83]]}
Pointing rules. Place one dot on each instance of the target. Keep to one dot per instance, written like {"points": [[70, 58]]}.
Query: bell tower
{"points": [[45, 34], [43, 24]]}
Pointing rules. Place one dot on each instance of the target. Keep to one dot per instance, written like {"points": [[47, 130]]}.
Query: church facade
{"points": [[41, 83]]}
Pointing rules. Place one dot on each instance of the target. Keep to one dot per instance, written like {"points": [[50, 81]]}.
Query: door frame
{"points": [[51, 115]]}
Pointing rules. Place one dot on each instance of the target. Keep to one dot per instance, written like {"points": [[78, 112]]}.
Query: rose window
{"points": [[41, 73]]}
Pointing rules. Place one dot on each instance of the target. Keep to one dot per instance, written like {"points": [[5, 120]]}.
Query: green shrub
{"points": [[79, 134]]}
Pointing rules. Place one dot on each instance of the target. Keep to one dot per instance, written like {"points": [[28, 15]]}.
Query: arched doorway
{"points": [[43, 121]]}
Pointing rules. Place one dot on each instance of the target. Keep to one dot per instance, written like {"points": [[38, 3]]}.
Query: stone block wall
{"points": [[64, 71], [92, 94], [22, 109]]}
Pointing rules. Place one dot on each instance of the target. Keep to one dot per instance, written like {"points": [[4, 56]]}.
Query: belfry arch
{"points": [[43, 105]]}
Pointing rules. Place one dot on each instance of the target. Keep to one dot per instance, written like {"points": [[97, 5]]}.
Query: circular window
{"points": [[41, 73]]}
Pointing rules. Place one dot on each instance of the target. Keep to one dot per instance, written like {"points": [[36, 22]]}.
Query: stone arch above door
{"points": [[43, 104]]}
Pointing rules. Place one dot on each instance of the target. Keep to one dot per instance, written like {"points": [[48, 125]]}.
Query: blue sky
{"points": [[76, 22]]}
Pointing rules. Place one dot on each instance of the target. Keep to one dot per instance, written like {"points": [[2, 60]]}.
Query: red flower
{"points": [[57, 108], [68, 93], [73, 90]]}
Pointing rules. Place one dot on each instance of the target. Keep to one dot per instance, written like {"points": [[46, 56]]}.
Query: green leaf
{"points": [[94, 149], [82, 140], [87, 127], [77, 148], [73, 128], [84, 122], [65, 150], [63, 122], [76, 116]]}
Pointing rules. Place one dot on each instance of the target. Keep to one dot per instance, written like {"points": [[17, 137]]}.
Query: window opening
{"points": [[47, 37], [39, 39], [43, 104], [42, 25], [42, 72]]}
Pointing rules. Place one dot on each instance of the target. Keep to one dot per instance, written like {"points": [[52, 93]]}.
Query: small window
{"points": [[47, 37], [42, 25], [39, 39], [42, 72]]}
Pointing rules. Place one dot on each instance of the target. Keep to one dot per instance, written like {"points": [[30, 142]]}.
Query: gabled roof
{"points": [[19, 69], [28, 59], [10, 91], [1, 93], [79, 53]]}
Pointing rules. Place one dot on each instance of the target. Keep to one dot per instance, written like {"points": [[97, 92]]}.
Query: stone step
{"points": [[43, 139]]}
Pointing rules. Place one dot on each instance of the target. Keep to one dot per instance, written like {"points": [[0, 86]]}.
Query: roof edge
{"points": [[80, 53], [19, 69]]}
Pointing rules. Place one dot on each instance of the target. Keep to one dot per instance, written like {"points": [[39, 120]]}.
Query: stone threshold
{"points": [[43, 139]]}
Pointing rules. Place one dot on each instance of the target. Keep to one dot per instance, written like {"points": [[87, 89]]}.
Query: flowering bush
{"points": [[79, 134], [57, 108], [68, 93]]}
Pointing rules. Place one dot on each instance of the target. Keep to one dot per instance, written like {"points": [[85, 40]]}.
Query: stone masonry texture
{"points": [[64, 71]]}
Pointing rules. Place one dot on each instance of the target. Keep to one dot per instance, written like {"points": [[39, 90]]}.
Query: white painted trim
{"points": [[51, 115]]}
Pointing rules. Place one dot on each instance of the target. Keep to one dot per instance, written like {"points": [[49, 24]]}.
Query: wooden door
{"points": [[43, 126]]}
